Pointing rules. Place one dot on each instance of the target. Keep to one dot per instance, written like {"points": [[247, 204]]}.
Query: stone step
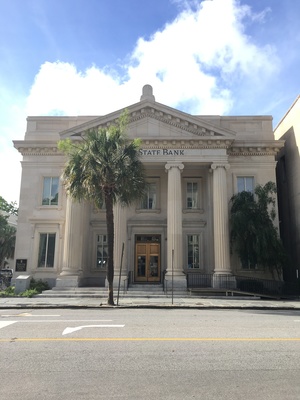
{"points": [[145, 288], [134, 291], [101, 292]]}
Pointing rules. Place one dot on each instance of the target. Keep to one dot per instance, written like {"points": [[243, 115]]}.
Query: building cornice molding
{"points": [[179, 120], [248, 148], [234, 148], [157, 111], [37, 148]]}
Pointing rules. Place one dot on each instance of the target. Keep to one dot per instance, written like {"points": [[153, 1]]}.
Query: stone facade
{"points": [[288, 182], [194, 164]]}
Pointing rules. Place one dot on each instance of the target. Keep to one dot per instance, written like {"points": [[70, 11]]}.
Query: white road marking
{"points": [[78, 328], [29, 315], [42, 315], [6, 323], [65, 320]]}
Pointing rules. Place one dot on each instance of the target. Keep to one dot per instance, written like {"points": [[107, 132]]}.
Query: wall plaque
{"points": [[21, 265]]}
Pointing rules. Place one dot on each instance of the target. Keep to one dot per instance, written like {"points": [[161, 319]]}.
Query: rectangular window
{"points": [[193, 260], [245, 183], [50, 191], [46, 250], [149, 201], [192, 195], [102, 251]]}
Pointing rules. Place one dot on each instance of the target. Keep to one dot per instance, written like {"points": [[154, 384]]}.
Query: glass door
{"points": [[147, 264]]}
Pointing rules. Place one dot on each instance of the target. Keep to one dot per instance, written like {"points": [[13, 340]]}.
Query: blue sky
{"points": [[76, 57]]}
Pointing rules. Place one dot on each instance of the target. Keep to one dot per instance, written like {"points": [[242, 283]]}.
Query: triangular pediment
{"points": [[149, 119]]}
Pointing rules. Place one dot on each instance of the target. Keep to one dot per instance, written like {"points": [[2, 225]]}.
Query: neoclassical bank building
{"points": [[193, 163]]}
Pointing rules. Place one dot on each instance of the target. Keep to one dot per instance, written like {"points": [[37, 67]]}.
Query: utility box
{"points": [[22, 283]]}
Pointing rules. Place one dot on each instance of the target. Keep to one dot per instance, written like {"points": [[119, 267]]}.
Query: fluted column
{"points": [[221, 224], [174, 229], [120, 237], [74, 239]]}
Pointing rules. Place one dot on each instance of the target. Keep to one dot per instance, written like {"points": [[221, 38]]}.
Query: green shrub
{"points": [[9, 291], [29, 293], [35, 287], [38, 285]]}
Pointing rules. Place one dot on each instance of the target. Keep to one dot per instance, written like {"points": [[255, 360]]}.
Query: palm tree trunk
{"points": [[110, 243]]}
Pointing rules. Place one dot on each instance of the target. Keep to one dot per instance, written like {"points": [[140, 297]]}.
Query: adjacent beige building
{"points": [[194, 164], [288, 182]]}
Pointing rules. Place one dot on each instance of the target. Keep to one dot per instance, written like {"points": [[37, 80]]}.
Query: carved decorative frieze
{"points": [[187, 144]]}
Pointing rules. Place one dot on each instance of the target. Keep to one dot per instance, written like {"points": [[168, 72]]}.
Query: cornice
{"points": [[193, 127], [39, 151], [38, 148], [263, 148], [174, 118], [233, 148], [157, 111]]}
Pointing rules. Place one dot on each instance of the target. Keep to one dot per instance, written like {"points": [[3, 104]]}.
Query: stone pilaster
{"points": [[75, 236], [174, 229], [120, 237], [222, 273]]}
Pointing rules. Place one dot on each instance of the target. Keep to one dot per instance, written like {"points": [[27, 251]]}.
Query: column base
{"points": [[224, 281], [68, 281], [178, 283]]}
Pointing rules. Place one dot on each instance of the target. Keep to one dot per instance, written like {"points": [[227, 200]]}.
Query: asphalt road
{"points": [[142, 354]]}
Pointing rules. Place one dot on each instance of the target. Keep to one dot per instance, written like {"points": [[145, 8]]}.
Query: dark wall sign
{"points": [[21, 265]]}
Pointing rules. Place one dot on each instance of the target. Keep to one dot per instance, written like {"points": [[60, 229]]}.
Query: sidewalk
{"points": [[150, 302]]}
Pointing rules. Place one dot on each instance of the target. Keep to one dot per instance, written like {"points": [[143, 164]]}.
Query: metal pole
{"points": [[120, 273], [172, 275]]}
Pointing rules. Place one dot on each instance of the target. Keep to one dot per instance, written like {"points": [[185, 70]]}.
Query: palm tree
{"points": [[253, 234], [105, 168]]}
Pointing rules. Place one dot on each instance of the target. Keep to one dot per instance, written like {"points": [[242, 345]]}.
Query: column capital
{"points": [[220, 165], [178, 165]]}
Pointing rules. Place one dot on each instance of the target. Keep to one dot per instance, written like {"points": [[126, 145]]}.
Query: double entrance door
{"points": [[147, 258]]}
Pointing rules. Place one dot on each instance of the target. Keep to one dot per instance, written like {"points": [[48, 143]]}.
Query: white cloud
{"points": [[193, 62], [201, 63], [10, 165], [13, 122]]}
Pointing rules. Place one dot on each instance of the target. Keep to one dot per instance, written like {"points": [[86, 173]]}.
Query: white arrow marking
{"points": [[6, 323], [78, 328]]}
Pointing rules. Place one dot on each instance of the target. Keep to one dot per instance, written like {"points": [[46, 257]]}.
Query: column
{"points": [[175, 274], [222, 273], [120, 238], [74, 240]]}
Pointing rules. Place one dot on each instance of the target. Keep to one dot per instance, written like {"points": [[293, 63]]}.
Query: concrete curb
{"points": [[151, 306]]}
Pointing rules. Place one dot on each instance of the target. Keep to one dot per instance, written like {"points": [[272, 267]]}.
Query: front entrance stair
{"points": [[134, 290], [142, 291]]}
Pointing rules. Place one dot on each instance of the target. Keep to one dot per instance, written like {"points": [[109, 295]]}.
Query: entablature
{"points": [[264, 148], [35, 148]]}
